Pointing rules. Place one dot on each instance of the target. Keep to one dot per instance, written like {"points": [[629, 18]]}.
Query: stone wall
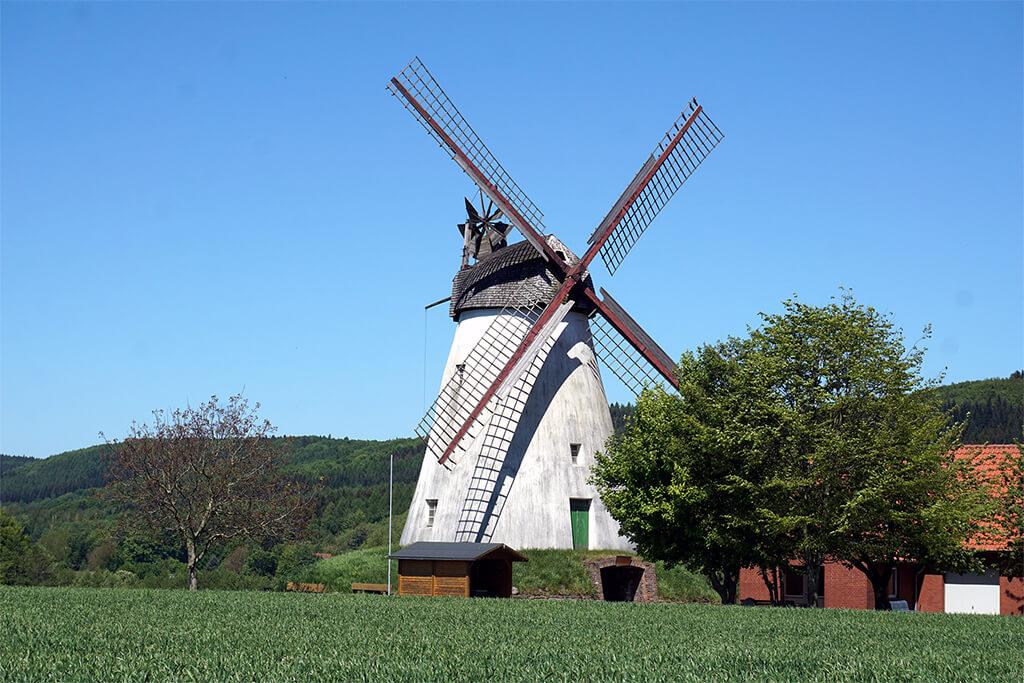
{"points": [[647, 588]]}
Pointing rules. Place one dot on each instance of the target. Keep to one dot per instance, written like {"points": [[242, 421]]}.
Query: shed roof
{"points": [[467, 552]]}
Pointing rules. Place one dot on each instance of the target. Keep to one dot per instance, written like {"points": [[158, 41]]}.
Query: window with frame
{"points": [[894, 583], [431, 511], [793, 581], [574, 453]]}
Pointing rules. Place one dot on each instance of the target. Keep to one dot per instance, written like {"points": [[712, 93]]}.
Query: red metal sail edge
{"points": [[631, 331], [612, 220], [473, 377], [490, 188], [689, 140], [538, 326]]}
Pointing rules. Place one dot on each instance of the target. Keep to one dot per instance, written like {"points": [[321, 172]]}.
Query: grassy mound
{"points": [[563, 573], [549, 573], [553, 572], [679, 584]]}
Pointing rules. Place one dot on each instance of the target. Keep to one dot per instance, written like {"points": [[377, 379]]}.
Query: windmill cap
{"points": [[497, 277]]}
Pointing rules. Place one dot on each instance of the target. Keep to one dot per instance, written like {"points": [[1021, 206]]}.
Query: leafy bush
{"points": [[261, 563], [679, 584]]}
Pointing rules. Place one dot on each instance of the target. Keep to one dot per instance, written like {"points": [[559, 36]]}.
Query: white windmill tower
{"points": [[522, 408]]}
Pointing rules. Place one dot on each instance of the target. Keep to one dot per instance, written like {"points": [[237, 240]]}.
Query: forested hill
{"points": [[55, 498], [335, 462], [26, 479], [992, 408]]}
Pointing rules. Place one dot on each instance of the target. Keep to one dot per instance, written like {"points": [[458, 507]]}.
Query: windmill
{"points": [[522, 407]]}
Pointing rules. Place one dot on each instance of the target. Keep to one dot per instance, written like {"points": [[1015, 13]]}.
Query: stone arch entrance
{"points": [[623, 578], [619, 584]]}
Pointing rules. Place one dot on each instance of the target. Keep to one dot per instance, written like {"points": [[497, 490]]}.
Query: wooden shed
{"points": [[457, 569]]}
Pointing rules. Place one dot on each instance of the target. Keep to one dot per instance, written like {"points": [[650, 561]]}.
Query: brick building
{"points": [[845, 587]]}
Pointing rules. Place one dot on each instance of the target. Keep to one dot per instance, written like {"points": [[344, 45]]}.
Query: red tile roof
{"points": [[992, 463]]}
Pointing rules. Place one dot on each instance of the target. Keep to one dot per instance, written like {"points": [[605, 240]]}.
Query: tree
{"points": [[14, 544], [873, 466], [687, 479], [882, 480], [1008, 527], [21, 562], [208, 475], [814, 438]]}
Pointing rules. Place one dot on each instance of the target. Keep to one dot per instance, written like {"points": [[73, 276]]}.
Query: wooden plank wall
{"points": [[451, 578], [429, 577]]}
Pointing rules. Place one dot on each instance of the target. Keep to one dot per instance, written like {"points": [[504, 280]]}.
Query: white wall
{"points": [[567, 405]]}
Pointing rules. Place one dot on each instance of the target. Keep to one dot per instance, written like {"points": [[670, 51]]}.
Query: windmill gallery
{"points": [[521, 410]]}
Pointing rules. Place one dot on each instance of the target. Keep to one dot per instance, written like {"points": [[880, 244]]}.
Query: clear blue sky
{"points": [[201, 198]]}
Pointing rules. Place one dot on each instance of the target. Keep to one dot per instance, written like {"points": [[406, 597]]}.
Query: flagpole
{"points": [[391, 488]]}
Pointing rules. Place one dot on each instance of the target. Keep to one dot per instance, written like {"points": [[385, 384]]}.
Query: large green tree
{"points": [[873, 462], [688, 480], [810, 439]]}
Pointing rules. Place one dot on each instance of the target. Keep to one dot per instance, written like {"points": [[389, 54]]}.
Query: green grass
{"points": [[116, 634], [368, 565], [553, 572]]}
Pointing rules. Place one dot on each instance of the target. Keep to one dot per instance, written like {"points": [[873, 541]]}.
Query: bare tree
{"points": [[207, 475]]}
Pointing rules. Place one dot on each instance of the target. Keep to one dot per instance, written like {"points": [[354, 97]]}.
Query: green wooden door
{"points": [[579, 515]]}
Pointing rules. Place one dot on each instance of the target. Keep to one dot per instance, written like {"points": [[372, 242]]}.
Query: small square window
{"points": [[431, 511], [574, 452]]}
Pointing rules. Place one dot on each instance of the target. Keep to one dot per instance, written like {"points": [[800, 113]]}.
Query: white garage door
{"points": [[972, 593]]}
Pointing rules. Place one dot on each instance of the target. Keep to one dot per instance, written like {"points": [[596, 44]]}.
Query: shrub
{"points": [[261, 563], [679, 584]]}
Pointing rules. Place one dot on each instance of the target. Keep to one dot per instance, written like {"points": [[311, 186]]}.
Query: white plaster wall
{"points": [[972, 593], [567, 405]]}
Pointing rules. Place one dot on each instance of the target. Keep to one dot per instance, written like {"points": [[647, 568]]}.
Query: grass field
{"points": [[118, 634]]}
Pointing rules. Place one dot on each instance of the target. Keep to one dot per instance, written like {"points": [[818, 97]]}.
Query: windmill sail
{"points": [[622, 358], [469, 385], [490, 485], [687, 143], [417, 90], [626, 349]]}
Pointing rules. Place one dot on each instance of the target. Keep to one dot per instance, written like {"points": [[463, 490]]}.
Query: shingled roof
{"points": [[468, 552], [495, 278]]}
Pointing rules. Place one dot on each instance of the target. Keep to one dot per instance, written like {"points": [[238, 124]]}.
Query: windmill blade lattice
{"points": [[621, 357], [470, 383], [686, 144], [489, 487], [418, 82]]}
